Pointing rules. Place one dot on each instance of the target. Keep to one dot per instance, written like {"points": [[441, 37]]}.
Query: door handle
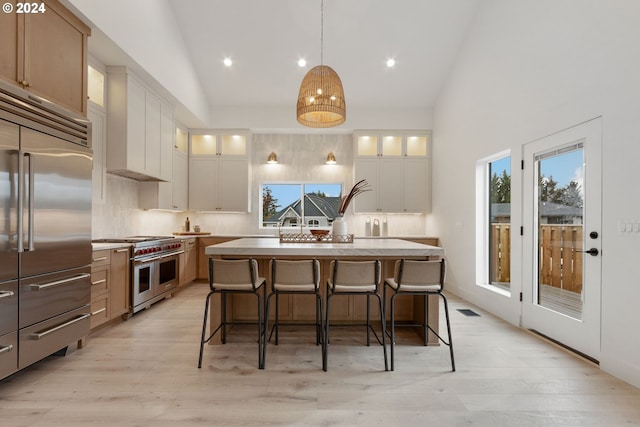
{"points": [[592, 252]]}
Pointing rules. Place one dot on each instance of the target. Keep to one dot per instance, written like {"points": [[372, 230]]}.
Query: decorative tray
{"points": [[315, 238]]}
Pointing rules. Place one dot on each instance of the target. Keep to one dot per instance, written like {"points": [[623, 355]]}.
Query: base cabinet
{"points": [[8, 354], [109, 285], [189, 262]]}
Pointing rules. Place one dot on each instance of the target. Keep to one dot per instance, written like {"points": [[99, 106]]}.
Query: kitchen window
{"points": [[290, 205]]}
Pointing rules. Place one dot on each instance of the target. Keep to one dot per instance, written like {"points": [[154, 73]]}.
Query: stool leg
{"points": [[204, 329], [426, 319], [223, 297], [261, 332], [446, 313], [384, 327], [275, 321], [325, 343], [368, 320], [393, 327], [318, 318], [266, 328]]}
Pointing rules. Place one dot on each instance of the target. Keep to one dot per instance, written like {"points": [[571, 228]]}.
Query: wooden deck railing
{"points": [[560, 261]]}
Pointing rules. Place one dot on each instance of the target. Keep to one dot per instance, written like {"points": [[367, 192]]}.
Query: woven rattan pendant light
{"points": [[321, 101]]}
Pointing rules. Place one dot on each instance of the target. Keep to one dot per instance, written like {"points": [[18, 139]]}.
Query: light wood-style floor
{"points": [[143, 372]]}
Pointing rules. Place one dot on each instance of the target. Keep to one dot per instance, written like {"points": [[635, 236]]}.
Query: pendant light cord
{"points": [[321, 32]]}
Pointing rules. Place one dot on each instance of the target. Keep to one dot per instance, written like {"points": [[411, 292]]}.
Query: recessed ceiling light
{"points": [[228, 62], [391, 62], [302, 62]]}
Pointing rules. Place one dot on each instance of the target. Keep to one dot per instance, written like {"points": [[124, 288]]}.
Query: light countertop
{"points": [[105, 246], [384, 247]]}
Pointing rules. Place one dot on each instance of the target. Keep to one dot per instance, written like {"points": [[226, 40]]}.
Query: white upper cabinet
{"points": [[398, 167], [171, 195], [140, 129], [219, 170]]}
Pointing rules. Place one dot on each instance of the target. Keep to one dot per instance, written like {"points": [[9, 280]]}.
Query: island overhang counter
{"points": [[296, 309]]}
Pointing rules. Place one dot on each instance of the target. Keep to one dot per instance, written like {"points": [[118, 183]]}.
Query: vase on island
{"points": [[339, 228]]}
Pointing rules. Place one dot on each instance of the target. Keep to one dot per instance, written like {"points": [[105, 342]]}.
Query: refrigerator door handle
{"points": [[31, 240], [25, 181], [21, 158]]}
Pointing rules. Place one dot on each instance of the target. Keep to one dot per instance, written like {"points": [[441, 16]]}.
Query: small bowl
{"points": [[319, 233]]}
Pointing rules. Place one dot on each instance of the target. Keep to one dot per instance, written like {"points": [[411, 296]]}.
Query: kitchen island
{"points": [[297, 308]]}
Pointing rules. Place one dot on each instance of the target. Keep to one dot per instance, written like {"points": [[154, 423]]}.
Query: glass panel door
{"points": [[560, 201], [561, 282]]}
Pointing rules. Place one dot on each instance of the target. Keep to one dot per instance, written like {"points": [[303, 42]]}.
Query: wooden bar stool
{"points": [[414, 277], [355, 278], [294, 278], [234, 277]]}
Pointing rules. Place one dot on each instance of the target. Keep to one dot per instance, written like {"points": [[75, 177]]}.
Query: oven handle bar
{"points": [[36, 287], [156, 258], [40, 335]]}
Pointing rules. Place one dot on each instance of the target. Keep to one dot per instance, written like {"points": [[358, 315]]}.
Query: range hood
{"points": [[137, 176]]}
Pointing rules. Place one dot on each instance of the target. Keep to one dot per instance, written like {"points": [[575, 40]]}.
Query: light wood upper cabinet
{"points": [[46, 53], [398, 167]]}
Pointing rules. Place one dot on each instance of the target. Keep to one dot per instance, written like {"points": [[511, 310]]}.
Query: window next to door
{"points": [[493, 222]]}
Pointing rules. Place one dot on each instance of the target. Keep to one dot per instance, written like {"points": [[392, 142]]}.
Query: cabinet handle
{"points": [[25, 83], [95, 313], [119, 251], [102, 258], [97, 282], [40, 335], [6, 294], [6, 349]]}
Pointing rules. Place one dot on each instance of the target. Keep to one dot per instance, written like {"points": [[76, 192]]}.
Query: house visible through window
{"points": [[290, 205]]}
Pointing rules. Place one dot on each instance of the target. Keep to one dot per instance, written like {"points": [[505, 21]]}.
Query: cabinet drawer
{"points": [[101, 258], [8, 307], [8, 354], [99, 282], [42, 339], [46, 296], [99, 311]]}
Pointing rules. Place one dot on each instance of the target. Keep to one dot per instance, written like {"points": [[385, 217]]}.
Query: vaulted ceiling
{"points": [[265, 39]]}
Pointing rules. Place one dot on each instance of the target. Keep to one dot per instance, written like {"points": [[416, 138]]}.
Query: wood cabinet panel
{"points": [[189, 262], [120, 277], [109, 285], [12, 35], [46, 53], [99, 281], [203, 259], [100, 311]]}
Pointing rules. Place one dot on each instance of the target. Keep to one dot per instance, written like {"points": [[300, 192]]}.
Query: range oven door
{"points": [[145, 281], [168, 273]]}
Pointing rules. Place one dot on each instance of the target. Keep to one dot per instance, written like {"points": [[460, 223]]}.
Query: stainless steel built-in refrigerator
{"points": [[45, 228]]}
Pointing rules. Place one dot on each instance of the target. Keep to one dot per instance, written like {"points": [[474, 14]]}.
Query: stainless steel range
{"points": [[155, 267]]}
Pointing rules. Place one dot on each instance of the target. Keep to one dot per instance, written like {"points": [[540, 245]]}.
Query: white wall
{"points": [[161, 53], [526, 70], [285, 119]]}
